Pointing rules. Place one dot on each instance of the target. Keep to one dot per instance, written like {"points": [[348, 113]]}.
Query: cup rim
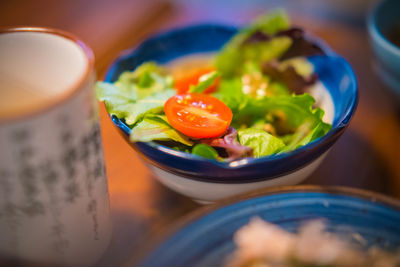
{"points": [[73, 90], [375, 31]]}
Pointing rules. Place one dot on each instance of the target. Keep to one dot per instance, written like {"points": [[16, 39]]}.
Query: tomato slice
{"points": [[182, 84], [198, 115]]}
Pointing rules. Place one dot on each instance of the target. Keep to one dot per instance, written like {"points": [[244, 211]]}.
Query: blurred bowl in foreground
{"points": [[205, 237]]}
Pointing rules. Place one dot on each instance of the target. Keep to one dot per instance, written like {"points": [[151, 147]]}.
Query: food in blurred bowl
{"points": [[260, 243], [249, 115]]}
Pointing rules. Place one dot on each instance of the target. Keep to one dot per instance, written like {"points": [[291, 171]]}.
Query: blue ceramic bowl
{"points": [[204, 238], [209, 180], [387, 55]]}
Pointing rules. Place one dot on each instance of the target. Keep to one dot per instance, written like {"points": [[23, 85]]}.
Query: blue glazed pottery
{"points": [[208, 180], [204, 238], [381, 19]]}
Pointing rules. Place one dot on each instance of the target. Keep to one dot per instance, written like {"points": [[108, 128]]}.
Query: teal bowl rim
{"points": [[376, 33]]}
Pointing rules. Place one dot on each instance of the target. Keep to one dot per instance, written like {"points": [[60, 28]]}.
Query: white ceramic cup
{"points": [[54, 205]]}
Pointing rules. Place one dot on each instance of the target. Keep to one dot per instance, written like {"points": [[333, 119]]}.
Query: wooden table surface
{"points": [[366, 156]]}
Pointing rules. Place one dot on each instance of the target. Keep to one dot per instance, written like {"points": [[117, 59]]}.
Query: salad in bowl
{"points": [[252, 100], [217, 104]]}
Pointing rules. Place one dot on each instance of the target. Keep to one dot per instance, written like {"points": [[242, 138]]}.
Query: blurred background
{"points": [[365, 157], [109, 26]]}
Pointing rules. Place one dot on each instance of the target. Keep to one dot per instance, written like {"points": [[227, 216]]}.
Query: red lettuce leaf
{"points": [[230, 144], [301, 47], [293, 81]]}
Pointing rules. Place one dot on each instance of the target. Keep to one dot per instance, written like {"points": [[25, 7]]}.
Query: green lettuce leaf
{"points": [[136, 93], [266, 51], [262, 143], [119, 101], [271, 22], [150, 104], [234, 54], [277, 88], [231, 59], [317, 131], [156, 127], [145, 80], [293, 109], [292, 116], [205, 81], [257, 84], [205, 151], [306, 133], [301, 65], [230, 92]]}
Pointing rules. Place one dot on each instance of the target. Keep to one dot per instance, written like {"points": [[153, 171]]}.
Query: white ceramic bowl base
{"points": [[206, 192]]}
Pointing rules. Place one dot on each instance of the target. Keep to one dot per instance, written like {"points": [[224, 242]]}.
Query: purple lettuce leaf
{"points": [[256, 37], [230, 144], [295, 82], [301, 47]]}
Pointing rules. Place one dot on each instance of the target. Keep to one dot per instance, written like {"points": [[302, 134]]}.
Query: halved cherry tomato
{"points": [[182, 84], [198, 115]]}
